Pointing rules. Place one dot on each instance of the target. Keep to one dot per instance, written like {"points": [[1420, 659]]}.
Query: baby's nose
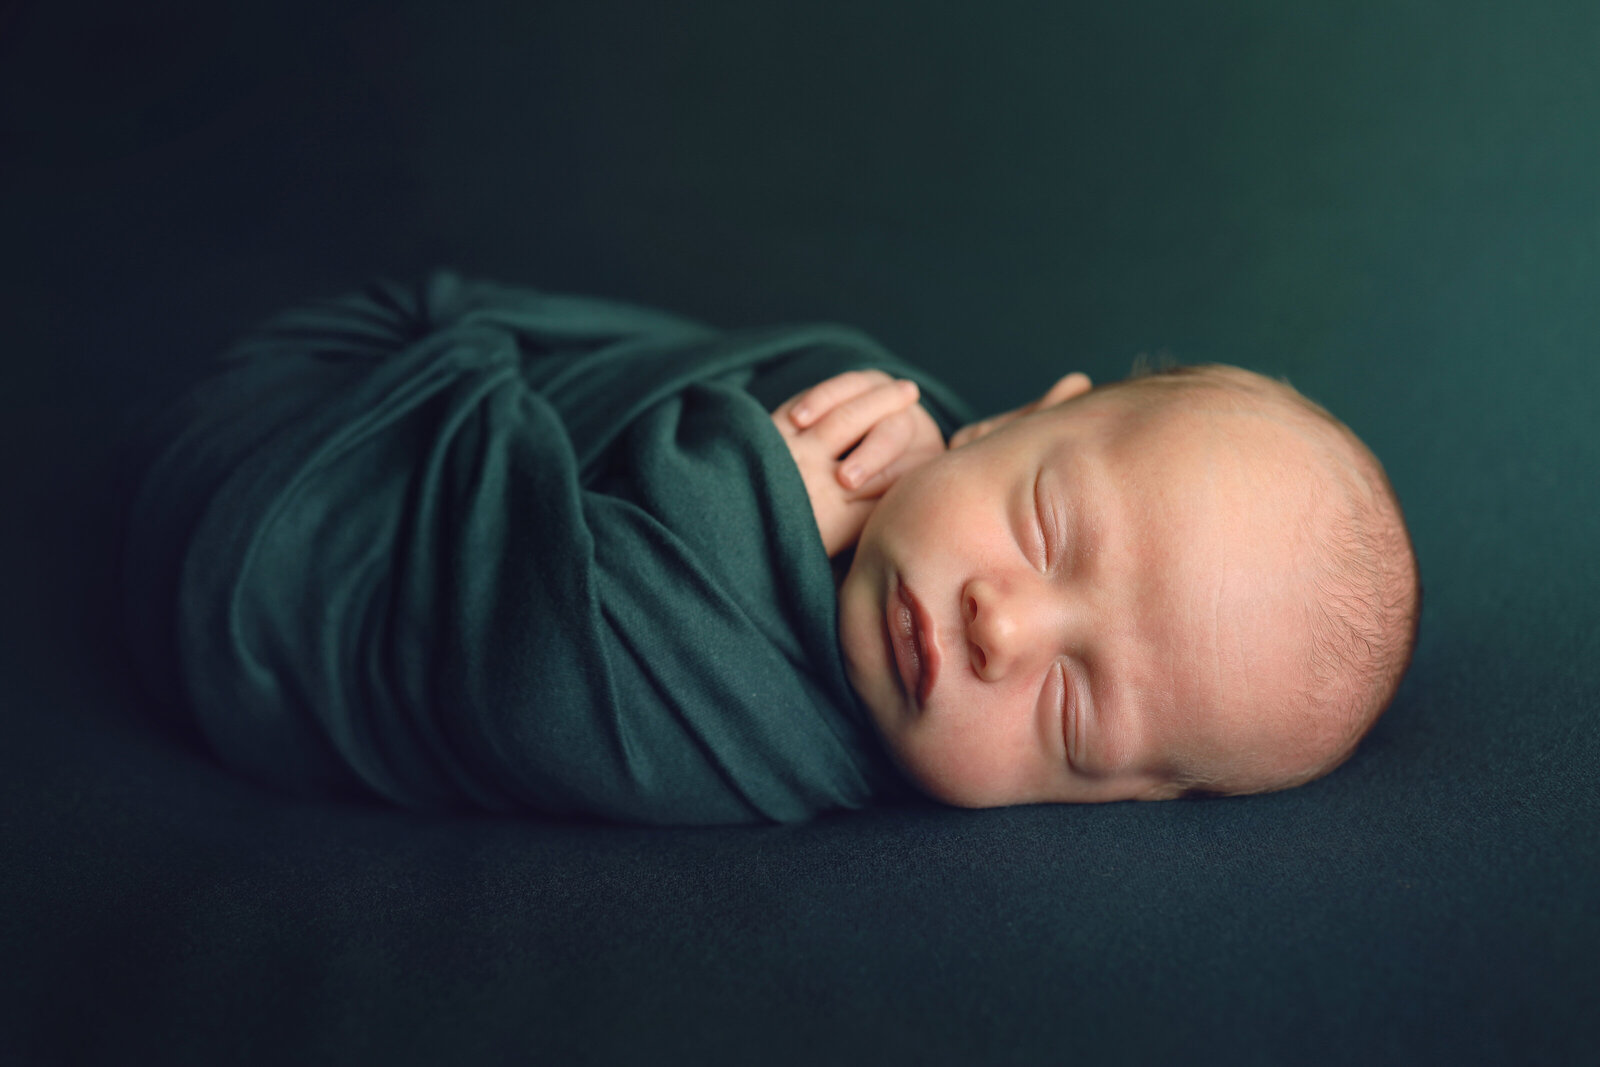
{"points": [[997, 628]]}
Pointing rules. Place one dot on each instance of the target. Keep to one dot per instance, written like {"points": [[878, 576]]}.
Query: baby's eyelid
{"points": [[1038, 517], [1069, 726]]}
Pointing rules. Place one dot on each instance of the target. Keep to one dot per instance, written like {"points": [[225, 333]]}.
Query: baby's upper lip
{"points": [[927, 639]]}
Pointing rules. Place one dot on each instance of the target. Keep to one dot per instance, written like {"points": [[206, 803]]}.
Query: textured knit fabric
{"points": [[463, 544]]}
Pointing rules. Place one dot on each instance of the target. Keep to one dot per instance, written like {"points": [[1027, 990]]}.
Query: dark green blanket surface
{"points": [[471, 545]]}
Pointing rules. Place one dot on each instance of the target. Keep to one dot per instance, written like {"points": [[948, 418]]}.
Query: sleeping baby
{"points": [[1195, 581], [464, 545]]}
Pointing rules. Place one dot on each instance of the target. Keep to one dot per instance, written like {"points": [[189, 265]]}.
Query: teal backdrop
{"points": [[1395, 205]]}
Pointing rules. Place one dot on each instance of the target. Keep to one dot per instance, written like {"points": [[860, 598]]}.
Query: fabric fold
{"points": [[465, 544]]}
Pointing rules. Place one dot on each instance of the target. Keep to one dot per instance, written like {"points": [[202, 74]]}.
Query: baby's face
{"points": [[1085, 604]]}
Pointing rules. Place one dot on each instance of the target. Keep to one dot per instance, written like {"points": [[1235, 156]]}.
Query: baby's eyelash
{"points": [[1038, 515], [1069, 725]]}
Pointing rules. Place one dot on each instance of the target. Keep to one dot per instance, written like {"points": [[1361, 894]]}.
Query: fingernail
{"points": [[908, 386], [852, 475], [801, 414]]}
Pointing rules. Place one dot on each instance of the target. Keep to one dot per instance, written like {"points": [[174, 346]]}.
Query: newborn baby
{"points": [[460, 544], [1195, 581]]}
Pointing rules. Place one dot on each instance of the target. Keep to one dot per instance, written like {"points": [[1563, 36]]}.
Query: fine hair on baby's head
{"points": [[1191, 582], [1364, 601]]}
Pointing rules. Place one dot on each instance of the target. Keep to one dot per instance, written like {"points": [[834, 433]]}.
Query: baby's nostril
{"points": [[970, 608], [979, 658]]}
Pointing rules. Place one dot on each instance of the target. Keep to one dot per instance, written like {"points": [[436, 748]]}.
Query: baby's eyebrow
{"points": [[1109, 705], [1079, 535]]}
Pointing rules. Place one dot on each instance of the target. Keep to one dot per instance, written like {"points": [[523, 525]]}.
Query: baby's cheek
{"points": [[962, 762], [857, 636]]}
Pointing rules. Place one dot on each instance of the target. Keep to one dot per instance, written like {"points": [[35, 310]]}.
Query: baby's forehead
{"points": [[1263, 431]]}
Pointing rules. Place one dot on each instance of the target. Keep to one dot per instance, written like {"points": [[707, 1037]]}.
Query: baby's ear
{"points": [[1075, 384]]}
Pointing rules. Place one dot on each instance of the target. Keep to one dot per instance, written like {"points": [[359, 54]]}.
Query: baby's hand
{"points": [[878, 422]]}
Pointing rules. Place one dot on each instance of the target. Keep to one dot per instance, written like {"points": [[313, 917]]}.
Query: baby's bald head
{"points": [[1362, 601], [1190, 582]]}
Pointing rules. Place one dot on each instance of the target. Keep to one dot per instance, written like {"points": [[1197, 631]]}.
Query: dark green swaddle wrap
{"points": [[471, 545]]}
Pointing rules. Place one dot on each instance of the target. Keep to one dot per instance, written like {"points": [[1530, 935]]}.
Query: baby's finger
{"points": [[850, 421], [884, 443], [823, 397]]}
